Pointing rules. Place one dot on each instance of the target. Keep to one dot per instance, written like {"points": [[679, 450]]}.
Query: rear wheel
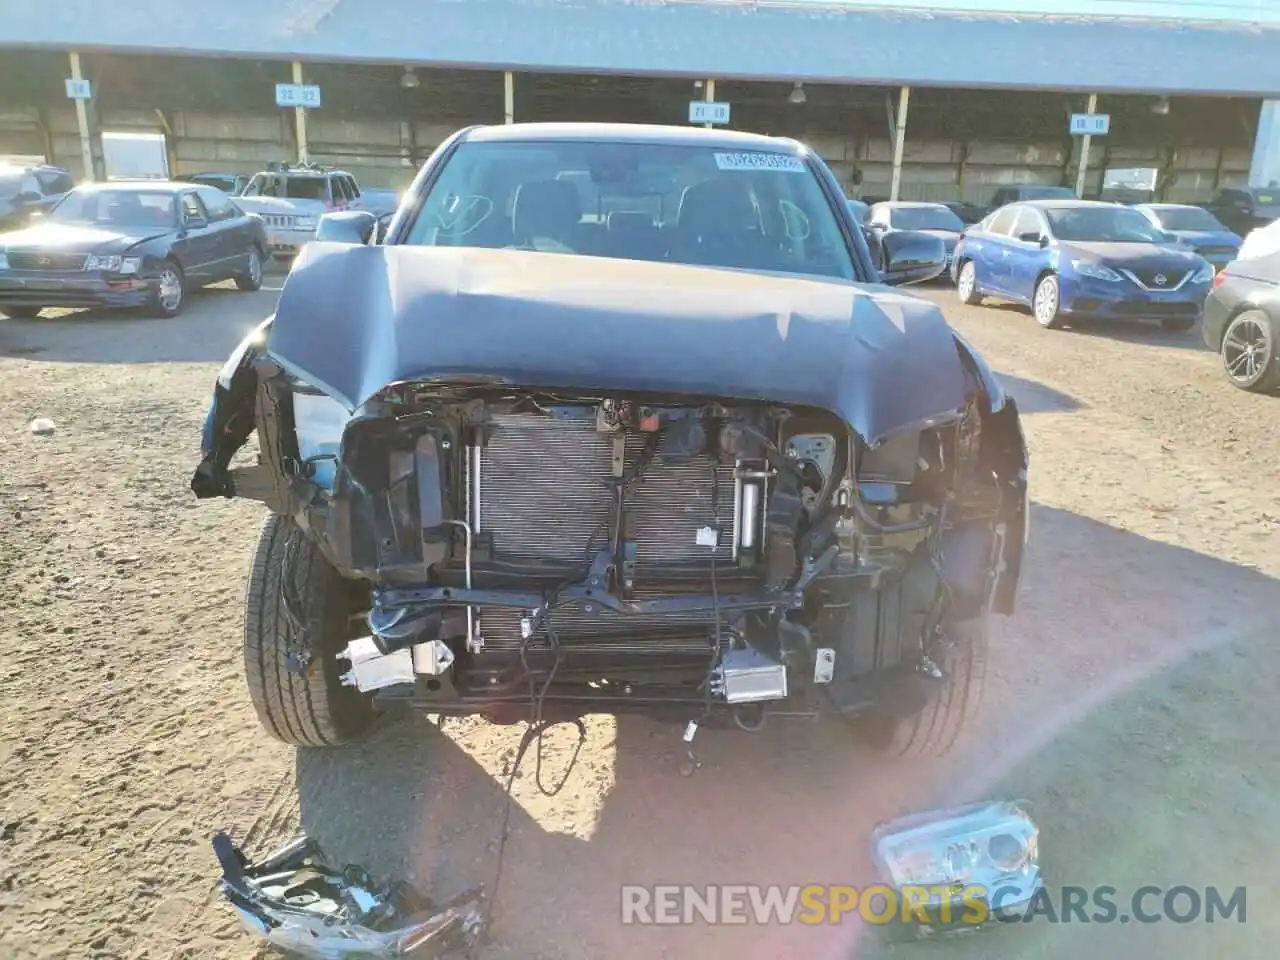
{"points": [[297, 608], [21, 312], [1047, 303], [967, 284], [1251, 352], [951, 701]]}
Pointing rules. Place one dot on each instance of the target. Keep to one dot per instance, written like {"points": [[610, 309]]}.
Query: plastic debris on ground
{"points": [[295, 901]]}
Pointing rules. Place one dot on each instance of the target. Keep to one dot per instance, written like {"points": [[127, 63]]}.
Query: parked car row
{"points": [[1071, 260]]}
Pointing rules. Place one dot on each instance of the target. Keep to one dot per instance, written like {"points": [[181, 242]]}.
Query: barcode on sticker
{"points": [[760, 161], [708, 537]]}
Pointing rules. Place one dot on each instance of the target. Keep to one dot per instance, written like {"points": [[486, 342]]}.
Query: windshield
{"points": [[1188, 218], [926, 218], [1102, 225], [292, 187], [690, 204], [118, 208]]}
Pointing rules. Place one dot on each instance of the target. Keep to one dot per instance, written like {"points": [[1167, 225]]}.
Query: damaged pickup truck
{"points": [[619, 419]]}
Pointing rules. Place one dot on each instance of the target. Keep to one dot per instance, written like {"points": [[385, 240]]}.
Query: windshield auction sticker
{"points": [[759, 161]]}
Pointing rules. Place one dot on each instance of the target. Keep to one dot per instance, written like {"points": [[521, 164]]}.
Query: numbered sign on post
{"points": [[297, 95], [1091, 124], [707, 111], [79, 89]]}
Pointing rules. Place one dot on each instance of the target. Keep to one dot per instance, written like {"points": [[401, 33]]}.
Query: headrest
{"points": [[630, 221], [723, 203], [545, 208]]}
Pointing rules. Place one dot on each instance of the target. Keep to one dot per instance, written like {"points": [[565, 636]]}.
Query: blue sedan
{"points": [[1076, 258]]}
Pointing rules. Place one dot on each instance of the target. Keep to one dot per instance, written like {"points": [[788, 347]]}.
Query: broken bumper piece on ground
{"points": [[959, 869], [296, 902]]}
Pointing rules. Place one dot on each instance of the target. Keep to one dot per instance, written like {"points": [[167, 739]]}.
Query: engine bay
{"points": [[657, 551]]}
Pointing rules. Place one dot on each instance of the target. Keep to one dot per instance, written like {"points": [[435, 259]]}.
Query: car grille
{"points": [[1157, 309], [281, 221], [35, 260], [1148, 278]]}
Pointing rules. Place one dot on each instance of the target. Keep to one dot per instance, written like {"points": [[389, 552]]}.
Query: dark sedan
{"points": [[934, 219], [142, 244], [1242, 322], [1245, 208]]}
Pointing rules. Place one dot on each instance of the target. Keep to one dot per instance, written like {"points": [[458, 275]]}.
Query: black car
{"points": [[969, 213], [1243, 208], [685, 458], [142, 244], [1242, 321], [934, 219], [1028, 191]]}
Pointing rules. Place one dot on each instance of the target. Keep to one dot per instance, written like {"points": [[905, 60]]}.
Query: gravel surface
{"points": [[1132, 699]]}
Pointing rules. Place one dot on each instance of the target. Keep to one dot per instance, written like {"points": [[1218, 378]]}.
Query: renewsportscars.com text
{"points": [[970, 905]]}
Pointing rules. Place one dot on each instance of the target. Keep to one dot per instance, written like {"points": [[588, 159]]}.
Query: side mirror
{"points": [[911, 257], [384, 224], [347, 226], [1034, 237], [29, 196]]}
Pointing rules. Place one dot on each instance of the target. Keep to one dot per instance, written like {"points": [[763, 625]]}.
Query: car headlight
{"points": [[982, 844], [305, 223], [130, 264], [1204, 274], [110, 264], [1087, 268]]}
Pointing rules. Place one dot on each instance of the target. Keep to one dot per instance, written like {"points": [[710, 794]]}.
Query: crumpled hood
{"points": [[353, 319], [1134, 255], [79, 238]]}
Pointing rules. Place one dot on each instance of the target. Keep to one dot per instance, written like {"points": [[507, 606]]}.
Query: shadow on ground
{"points": [[210, 326], [1131, 698], [1034, 397]]}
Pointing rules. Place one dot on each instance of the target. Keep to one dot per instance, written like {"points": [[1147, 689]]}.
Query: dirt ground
{"points": [[1133, 697]]}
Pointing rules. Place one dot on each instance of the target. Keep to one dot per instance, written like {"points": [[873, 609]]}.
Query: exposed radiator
{"points": [[546, 493]]}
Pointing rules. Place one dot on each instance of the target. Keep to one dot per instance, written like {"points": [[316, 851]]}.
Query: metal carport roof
{"points": [[815, 41]]}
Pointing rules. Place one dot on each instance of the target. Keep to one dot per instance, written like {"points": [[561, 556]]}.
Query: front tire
{"points": [[251, 278], [1251, 352], [293, 674], [967, 284], [171, 292], [951, 701], [1046, 305]]}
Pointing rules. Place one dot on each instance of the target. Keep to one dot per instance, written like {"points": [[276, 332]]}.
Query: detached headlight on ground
{"points": [[985, 852], [1087, 268]]}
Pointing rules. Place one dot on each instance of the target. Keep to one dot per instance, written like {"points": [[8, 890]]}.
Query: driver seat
{"points": [[547, 210], [718, 224]]}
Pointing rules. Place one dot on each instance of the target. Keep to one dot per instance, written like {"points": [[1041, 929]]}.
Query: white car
{"points": [[1260, 241], [291, 202]]}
